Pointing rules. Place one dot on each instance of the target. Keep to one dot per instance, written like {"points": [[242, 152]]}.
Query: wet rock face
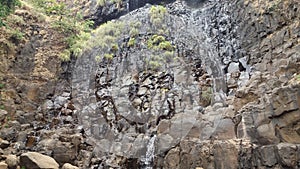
{"points": [[216, 97]]}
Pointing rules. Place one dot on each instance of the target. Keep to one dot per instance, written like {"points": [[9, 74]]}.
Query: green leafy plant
{"points": [[131, 42], [73, 26], [159, 42], [7, 7], [157, 17], [206, 95], [298, 77], [17, 35], [109, 33]]}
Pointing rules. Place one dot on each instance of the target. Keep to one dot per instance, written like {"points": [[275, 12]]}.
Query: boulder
{"points": [[69, 166], [3, 165], [37, 160], [287, 154], [12, 161], [3, 114], [3, 144]]}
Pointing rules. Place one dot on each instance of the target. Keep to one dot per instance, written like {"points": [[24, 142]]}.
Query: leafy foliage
{"points": [[157, 17], [159, 42], [7, 7], [73, 26], [107, 43]]}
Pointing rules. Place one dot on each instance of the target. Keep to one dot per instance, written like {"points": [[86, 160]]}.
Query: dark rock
{"points": [[4, 144], [3, 115]]}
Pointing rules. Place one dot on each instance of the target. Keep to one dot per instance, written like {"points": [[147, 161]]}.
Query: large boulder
{"points": [[3, 165], [12, 161], [37, 161]]}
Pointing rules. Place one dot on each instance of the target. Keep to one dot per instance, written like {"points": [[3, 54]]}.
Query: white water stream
{"points": [[148, 159]]}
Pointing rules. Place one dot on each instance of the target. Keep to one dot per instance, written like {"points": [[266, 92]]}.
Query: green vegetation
{"points": [[157, 16], [107, 43], [155, 62], [298, 77], [206, 95], [16, 35], [7, 7], [274, 6], [73, 27], [131, 42], [159, 42]]}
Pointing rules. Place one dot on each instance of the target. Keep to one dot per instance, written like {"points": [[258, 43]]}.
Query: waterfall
{"points": [[148, 160]]}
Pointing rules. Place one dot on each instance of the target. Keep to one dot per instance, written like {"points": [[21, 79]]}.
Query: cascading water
{"points": [[120, 100], [147, 161]]}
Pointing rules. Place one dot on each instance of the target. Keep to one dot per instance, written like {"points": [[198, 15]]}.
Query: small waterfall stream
{"points": [[147, 161], [101, 91]]}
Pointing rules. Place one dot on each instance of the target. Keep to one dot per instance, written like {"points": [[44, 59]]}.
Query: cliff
{"points": [[172, 84]]}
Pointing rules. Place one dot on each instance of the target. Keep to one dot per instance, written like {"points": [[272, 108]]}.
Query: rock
{"points": [[172, 158], [288, 154], [3, 165], [243, 79], [266, 134], [12, 161], [37, 160], [268, 155], [4, 144], [3, 114], [69, 166], [224, 130], [48, 105], [233, 67], [64, 152], [244, 61], [59, 101]]}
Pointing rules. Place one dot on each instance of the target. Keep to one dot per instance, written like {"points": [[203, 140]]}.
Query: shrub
{"points": [[74, 27], [157, 16], [16, 36], [109, 33], [7, 7], [159, 42], [131, 42]]}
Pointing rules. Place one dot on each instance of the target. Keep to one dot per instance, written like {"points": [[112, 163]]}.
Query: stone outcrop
{"points": [[37, 160], [229, 96], [206, 84]]}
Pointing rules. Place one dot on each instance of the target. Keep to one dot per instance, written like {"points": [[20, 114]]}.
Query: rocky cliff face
{"points": [[212, 84], [229, 89]]}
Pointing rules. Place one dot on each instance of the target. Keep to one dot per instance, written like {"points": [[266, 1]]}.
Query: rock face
{"points": [[231, 91], [37, 160], [193, 84]]}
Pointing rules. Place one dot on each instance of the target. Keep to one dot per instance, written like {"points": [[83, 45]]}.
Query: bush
{"points": [[7, 7], [159, 42], [131, 42], [157, 16], [74, 27]]}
